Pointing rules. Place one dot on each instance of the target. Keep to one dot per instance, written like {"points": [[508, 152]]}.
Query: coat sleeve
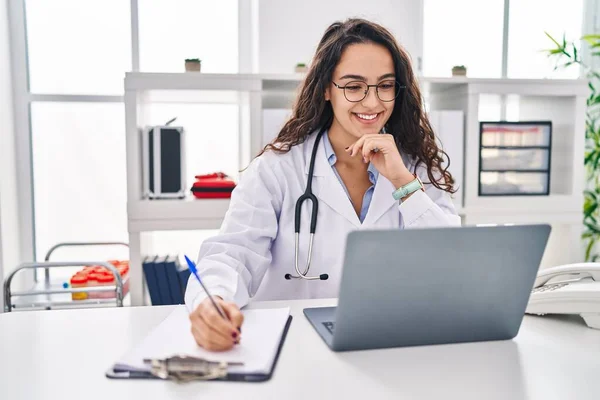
{"points": [[233, 263], [430, 208]]}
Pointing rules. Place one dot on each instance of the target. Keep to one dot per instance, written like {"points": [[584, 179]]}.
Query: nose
{"points": [[371, 100]]}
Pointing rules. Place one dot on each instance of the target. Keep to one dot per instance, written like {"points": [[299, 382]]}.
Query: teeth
{"points": [[367, 116]]}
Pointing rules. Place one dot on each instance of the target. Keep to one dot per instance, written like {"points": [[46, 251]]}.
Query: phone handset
{"points": [[588, 269]]}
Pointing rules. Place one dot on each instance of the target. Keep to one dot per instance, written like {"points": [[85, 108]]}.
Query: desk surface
{"points": [[64, 354]]}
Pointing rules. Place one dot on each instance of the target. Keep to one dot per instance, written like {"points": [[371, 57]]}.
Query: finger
{"points": [[212, 318], [210, 342], [203, 326], [215, 335], [357, 146], [203, 341], [235, 315], [372, 143]]}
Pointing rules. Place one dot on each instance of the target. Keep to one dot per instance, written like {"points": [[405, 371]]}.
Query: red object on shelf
{"points": [[213, 186]]}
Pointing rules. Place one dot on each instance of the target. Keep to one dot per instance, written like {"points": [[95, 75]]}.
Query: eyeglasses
{"points": [[356, 91]]}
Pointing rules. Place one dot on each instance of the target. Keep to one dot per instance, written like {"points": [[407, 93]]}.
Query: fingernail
{"points": [[234, 334]]}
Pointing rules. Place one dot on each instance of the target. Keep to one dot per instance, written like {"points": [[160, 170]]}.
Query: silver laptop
{"points": [[432, 286]]}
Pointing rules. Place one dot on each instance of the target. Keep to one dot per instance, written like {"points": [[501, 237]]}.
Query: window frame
{"points": [[23, 97]]}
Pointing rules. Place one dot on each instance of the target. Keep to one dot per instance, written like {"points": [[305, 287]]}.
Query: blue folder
{"points": [[173, 279], [163, 281], [151, 280]]}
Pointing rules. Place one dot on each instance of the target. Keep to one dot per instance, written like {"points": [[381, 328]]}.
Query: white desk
{"points": [[64, 354]]}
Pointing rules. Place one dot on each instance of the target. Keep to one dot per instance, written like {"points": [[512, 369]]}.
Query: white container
{"points": [[515, 134], [513, 183], [514, 159]]}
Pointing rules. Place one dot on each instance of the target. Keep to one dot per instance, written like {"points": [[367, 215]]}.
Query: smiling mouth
{"points": [[367, 118]]}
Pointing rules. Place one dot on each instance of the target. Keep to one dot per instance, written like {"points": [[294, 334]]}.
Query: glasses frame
{"points": [[398, 87]]}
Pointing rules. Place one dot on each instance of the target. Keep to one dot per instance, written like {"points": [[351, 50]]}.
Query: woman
{"points": [[360, 110]]}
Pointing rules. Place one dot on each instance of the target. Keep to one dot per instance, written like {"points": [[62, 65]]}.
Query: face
{"points": [[360, 64]]}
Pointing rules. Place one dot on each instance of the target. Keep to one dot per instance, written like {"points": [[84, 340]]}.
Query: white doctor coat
{"points": [[254, 249]]}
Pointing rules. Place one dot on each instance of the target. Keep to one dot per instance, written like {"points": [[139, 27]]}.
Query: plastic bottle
{"points": [[79, 281]]}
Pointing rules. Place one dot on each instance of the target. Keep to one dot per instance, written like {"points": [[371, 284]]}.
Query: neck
{"points": [[340, 139]]}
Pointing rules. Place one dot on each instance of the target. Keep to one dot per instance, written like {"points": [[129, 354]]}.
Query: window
{"points": [[78, 145], [463, 32], [470, 33], [80, 188], [78, 47], [172, 31], [528, 21]]}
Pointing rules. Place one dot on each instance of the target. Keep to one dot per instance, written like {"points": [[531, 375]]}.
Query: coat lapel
{"points": [[381, 201], [326, 185]]}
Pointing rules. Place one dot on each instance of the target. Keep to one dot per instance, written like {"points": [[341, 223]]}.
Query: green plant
{"points": [[459, 67], [301, 65], [192, 60], [566, 54]]}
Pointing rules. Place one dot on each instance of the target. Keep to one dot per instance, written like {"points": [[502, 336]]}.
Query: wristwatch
{"points": [[409, 188]]}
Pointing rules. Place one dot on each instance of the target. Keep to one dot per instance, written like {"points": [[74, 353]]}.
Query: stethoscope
{"points": [[308, 195]]}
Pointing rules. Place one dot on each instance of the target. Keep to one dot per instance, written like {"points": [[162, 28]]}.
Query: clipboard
{"points": [[185, 368]]}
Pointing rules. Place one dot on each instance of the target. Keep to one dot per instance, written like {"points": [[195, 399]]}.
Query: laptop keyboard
{"points": [[330, 326]]}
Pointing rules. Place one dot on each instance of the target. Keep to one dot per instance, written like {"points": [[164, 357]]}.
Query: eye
{"points": [[353, 88], [387, 85]]}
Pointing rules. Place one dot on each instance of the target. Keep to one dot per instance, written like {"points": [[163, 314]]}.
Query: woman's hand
{"points": [[386, 158], [213, 332]]}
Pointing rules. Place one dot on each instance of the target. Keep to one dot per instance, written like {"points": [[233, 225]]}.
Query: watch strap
{"points": [[407, 189]]}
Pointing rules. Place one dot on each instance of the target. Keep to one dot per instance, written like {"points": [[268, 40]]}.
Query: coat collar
{"points": [[328, 188]]}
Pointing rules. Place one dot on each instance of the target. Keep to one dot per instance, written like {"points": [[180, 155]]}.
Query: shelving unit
{"points": [[562, 101]]}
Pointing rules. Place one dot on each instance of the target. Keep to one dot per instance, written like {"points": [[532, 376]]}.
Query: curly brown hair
{"points": [[408, 122]]}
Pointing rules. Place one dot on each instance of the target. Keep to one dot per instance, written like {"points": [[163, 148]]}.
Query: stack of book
{"points": [[166, 279]]}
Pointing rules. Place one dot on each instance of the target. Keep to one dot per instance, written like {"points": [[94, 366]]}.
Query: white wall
{"points": [[9, 222], [289, 32]]}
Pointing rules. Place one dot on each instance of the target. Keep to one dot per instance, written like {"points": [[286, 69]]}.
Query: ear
{"points": [[327, 94]]}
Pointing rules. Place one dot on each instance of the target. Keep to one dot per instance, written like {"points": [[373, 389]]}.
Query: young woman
{"points": [[359, 120]]}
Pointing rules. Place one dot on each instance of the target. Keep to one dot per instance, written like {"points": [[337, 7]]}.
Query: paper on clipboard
{"points": [[262, 332]]}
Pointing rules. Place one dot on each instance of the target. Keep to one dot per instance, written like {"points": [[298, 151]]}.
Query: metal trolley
{"points": [[46, 295]]}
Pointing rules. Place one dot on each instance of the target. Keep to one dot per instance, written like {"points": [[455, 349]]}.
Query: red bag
{"points": [[213, 186]]}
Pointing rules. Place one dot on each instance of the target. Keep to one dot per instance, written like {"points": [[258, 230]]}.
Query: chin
{"points": [[359, 131]]}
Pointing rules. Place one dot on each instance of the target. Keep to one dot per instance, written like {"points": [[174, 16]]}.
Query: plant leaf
{"points": [[592, 227], [588, 249], [554, 40]]}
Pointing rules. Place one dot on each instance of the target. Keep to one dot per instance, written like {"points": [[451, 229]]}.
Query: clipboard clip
{"points": [[182, 368]]}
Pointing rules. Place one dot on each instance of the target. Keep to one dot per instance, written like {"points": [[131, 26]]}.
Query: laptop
{"points": [[432, 286]]}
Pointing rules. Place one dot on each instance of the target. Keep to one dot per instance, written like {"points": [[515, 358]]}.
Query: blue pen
{"points": [[192, 267]]}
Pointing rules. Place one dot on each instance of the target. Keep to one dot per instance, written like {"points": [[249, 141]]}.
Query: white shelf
{"points": [[140, 81], [562, 101], [165, 215]]}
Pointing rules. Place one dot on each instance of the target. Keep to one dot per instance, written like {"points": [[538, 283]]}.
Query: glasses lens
{"points": [[355, 91], [387, 90]]}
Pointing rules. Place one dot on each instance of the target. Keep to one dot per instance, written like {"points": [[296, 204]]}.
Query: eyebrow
{"points": [[362, 78]]}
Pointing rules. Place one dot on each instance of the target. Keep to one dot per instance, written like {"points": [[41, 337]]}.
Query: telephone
{"points": [[568, 289]]}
